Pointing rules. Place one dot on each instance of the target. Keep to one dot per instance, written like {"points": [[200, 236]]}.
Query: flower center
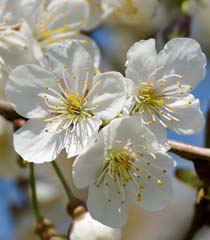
{"points": [[120, 162], [76, 103], [70, 107], [119, 168], [147, 98]]}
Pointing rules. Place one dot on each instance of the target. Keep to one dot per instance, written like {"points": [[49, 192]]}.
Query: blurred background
{"points": [[169, 18]]}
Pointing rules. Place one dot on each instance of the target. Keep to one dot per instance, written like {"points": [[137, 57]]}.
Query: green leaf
{"points": [[189, 177]]}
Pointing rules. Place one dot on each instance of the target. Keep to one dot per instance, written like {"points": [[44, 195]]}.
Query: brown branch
{"points": [[189, 152], [7, 111]]}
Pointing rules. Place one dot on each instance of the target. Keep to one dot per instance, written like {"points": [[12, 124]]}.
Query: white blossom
{"points": [[124, 165], [65, 103], [85, 227], [40, 24], [48, 22], [162, 84]]}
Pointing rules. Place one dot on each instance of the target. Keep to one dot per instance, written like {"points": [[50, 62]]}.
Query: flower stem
{"points": [[35, 204], [63, 181]]}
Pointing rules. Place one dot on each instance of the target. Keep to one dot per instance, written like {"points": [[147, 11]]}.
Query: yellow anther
{"points": [[159, 182], [74, 77]]}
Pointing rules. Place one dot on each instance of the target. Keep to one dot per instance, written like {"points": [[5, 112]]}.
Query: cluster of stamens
{"points": [[71, 107], [120, 168], [154, 97], [42, 31]]}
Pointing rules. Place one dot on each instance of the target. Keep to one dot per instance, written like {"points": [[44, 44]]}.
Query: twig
{"points": [[189, 152], [7, 111]]}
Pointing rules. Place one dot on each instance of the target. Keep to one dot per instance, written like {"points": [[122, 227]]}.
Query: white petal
{"points": [[190, 116], [14, 44], [73, 62], [183, 56], [161, 134], [90, 46], [161, 160], [113, 214], [141, 61], [156, 191], [24, 86], [36, 47], [109, 95], [129, 130], [86, 166], [36, 145], [27, 7], [164, 160], [84, 134]]}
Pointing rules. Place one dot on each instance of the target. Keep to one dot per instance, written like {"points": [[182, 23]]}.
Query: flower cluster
{"points": [[115, 125]]}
